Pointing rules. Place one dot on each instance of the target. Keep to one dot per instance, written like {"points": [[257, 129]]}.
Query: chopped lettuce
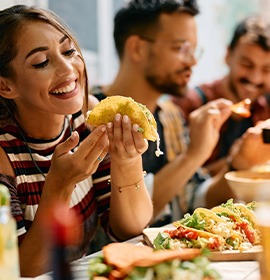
{"points": [[98, 267], [193, 221], [197, 268], [229, 204], [252, 205], [163, 241]]}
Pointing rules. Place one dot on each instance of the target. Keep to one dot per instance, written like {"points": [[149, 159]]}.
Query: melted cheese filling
{"points": [[158, 152]]}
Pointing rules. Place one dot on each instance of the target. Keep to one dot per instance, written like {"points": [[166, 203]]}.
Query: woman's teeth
{"points": [[66, 89]]}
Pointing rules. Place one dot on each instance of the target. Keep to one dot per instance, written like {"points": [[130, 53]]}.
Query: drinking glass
{"points": [[263, 214]]}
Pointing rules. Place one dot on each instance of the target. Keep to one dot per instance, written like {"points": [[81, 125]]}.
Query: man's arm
{"points": [[205, 124]]}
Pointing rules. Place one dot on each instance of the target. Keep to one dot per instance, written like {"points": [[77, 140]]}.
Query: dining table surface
{"points": [[229, 270]]}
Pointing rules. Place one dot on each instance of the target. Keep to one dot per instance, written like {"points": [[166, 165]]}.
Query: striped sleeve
{"points": [[101, 182]]}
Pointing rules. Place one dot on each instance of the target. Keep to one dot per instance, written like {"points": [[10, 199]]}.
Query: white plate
{"points": [[149, 234]]}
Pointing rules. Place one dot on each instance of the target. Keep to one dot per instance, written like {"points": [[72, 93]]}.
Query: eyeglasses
{"points": [[186, 52]]}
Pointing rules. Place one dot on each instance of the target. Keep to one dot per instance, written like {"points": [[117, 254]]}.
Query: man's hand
{"points": [[249, 150], [205, 124]]}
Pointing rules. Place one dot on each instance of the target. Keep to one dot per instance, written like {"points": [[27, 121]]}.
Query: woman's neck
{"points": [[41, 129]]}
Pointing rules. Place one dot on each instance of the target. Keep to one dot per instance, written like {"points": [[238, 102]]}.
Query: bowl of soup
{"points": [[248, 185]]}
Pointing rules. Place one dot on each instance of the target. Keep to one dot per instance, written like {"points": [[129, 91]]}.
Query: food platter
{"points": [[149, 234]]}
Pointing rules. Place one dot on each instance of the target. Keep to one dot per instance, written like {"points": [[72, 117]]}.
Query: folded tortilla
{"points": [[251, 233], [105, 112], [218, 225], [188, 233], [226, 212], [124, 256], [247, 214]]}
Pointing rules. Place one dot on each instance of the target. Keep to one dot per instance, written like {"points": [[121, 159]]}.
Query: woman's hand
{"points": [[130, 199], [70, 167], [126, 142]]}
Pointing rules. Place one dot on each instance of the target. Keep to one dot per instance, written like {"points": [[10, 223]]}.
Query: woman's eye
{"points": [[42, 64], [69, 52]]}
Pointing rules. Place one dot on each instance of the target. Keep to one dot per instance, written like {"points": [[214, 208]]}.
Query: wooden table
{"points": [[241, 270]]}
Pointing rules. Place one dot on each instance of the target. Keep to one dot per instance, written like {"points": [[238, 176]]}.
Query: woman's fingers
{"points": [[141, 144], [95, 146], [68, 145], [128, 140], [125, 140], [101, 156]]}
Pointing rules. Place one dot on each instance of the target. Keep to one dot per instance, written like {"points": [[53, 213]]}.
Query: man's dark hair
{"points": [[256, 30], [140, 17]]}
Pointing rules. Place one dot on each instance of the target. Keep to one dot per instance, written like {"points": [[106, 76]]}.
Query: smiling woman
{"points": [[53, 62], [48, 155]]}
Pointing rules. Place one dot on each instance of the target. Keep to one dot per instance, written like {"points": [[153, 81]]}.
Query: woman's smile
{"points": [[65, 91]]}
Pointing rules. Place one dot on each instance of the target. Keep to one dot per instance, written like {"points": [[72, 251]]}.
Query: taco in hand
{"points": [[105, 111]]}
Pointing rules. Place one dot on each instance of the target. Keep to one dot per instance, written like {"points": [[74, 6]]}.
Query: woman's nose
{"points": [[64, 66]]}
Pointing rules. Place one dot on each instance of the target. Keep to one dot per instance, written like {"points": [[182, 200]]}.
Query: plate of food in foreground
{"points": [[125, 261], [230, 231]]}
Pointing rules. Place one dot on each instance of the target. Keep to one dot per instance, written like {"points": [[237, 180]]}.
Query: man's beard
{"points": [[167, 86]]}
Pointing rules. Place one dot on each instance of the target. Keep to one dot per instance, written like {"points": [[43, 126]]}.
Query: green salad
{"points": [[195, 269]]}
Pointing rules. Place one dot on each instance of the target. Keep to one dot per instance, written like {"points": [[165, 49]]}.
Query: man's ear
{"points": [[6, 89], [135, 47]]}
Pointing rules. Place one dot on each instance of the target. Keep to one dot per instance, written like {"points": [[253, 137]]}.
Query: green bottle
{"points": [[9, 256]]}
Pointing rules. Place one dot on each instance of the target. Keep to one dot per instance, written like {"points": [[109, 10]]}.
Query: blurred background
{"points": [[92, 23]]}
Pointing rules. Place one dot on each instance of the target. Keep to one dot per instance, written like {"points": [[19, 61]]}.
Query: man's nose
{"points": [[255, 76]]}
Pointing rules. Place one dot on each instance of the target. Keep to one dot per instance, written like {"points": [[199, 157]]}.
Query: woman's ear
{"points": [[6, 89]]}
